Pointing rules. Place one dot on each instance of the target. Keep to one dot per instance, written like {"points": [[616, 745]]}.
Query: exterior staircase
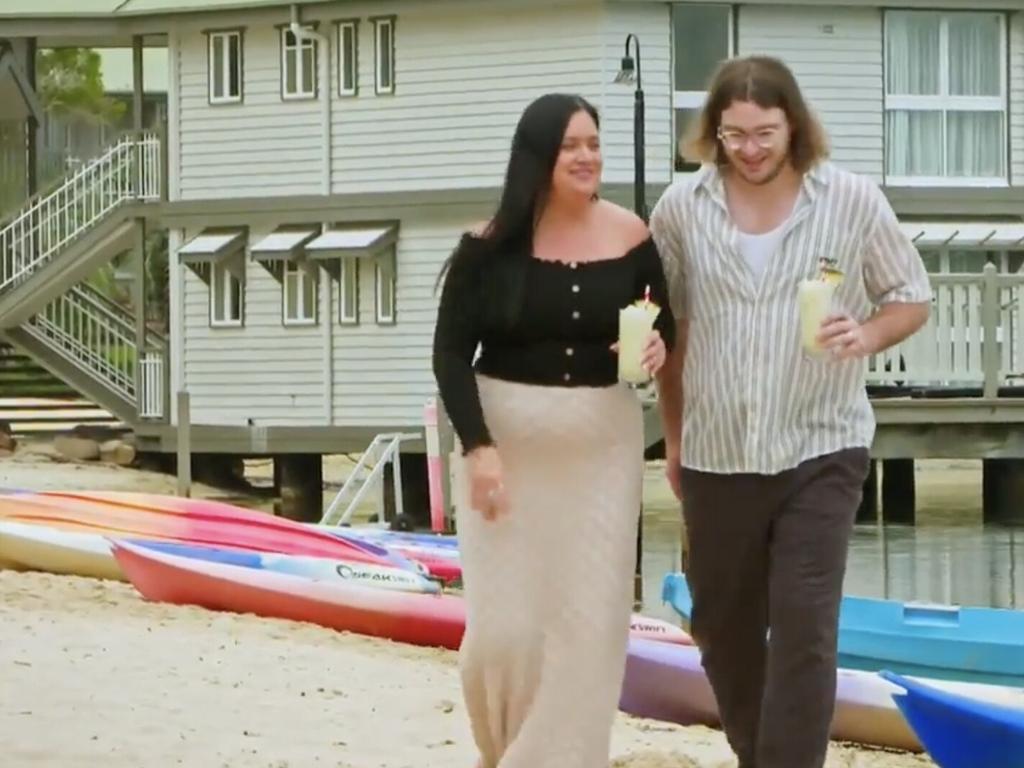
{"points": [[47, 311]]}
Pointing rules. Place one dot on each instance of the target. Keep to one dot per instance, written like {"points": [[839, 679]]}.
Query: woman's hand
{"points": [[486, 482], [654, 353]]}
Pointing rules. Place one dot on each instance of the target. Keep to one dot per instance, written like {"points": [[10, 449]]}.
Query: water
{"points": [[949, 557]]}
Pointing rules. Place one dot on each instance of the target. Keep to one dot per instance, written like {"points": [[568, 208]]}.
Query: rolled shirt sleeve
{"points": [[893, 269]]}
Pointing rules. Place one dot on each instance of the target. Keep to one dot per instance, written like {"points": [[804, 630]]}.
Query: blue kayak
{"points": [[984, 645], [958, 731], [318, 568]]}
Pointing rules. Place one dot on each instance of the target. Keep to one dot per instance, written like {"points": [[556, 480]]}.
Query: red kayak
{"points": [[447, 570], [437, 620], [408, 617]]}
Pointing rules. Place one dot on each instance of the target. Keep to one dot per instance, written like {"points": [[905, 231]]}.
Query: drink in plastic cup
{"points": [[815, 297], [636, 322]]}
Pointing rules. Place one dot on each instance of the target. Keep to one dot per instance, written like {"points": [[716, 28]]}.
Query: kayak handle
{"points": [[923, 613]]}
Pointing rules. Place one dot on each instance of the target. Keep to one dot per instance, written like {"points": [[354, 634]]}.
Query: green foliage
{"points": [[70, 83]]}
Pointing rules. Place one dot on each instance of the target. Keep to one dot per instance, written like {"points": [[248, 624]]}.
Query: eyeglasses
{"points": [[735, 140]]}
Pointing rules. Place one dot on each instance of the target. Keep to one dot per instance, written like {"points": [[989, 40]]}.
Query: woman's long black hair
{"points": [[508, 237]]}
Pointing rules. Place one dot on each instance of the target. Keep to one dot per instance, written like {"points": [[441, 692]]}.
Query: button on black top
{"points": [[562, 336]]}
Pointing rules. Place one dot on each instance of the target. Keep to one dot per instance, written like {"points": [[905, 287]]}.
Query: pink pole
{"points": [[434, 466]]}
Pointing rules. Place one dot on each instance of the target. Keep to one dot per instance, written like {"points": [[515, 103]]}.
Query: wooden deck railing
{"points": [[974, 337]]}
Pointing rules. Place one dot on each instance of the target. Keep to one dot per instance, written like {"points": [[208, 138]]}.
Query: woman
{"points": [[553, 444]]}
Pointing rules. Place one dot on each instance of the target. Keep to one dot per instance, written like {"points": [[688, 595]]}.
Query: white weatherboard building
{"points": [[320, 160]]}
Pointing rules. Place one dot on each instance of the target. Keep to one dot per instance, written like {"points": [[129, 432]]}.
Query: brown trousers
{"points": [[766, 561]]}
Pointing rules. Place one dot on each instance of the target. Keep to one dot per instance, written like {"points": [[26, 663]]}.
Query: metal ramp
{"points": [[385, 448]]}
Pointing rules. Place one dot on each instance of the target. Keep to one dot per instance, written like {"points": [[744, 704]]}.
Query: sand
{"points": [[95, 676]]}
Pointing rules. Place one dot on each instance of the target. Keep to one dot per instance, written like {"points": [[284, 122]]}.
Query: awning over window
{"points": [[282, 243], [359, 241], [979, 235], [211, 246]]}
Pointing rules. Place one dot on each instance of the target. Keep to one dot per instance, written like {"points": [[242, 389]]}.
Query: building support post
{"points": [[898, 491], [868, 510], [1003, 491], [302, 484]]}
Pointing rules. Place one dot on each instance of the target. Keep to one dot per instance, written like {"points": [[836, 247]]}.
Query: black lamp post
{"points": [[628, 73]]}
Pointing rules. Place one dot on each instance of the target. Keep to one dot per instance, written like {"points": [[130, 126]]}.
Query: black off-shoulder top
{"points": [[561, 337]]}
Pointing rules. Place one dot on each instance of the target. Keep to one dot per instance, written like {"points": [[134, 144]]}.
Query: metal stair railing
{"points": [[96, 334], [128, 171]]}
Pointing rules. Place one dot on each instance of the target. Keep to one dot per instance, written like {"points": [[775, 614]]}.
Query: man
{"points": [[770, 453]]}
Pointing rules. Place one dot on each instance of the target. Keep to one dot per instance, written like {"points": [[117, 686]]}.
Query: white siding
{"points": [[263, 370], [276, 375], [382, 374], [1017, 98], [464, 74], [263, 146], [836, 55], [652, 25]]}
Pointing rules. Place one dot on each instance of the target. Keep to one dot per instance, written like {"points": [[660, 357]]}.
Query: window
{"points": [[298, 67], [348, 291], [945, 97], [348, 58], [701, 39], [384, 54], [300, 289], [225, 67], [225, 298], [384, 277]]}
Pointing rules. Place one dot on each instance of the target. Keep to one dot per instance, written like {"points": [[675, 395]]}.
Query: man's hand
{"points": [[845, 338]]}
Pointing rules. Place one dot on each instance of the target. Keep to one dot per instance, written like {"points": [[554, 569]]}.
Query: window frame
{"points": [[385, 275], [348, 57], [379, 23], [291, 268], [682, 99], [220, 293], [348, 315], [225, 35], [300, 45], [945, 103]]}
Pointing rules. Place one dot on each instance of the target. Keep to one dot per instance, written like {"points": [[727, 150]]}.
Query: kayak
{"points": [[317, 568], [42, 548], [984, 645], [960, 731], [408, 617], [667, 682], [78, 553], [192, 508], [144, 516], [440, 562], [417, 618]]}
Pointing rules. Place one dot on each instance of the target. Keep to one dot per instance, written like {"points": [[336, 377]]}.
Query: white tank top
{"points": [[757, 249]]}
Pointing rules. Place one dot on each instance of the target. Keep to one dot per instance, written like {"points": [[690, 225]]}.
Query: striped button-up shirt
{"points": [[753, 400]]}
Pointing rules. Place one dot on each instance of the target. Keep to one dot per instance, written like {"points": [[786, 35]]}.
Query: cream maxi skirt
{"points": [[549, 586]]}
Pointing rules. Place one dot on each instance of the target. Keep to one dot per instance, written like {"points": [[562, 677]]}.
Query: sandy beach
{"points": [[95, 676]]}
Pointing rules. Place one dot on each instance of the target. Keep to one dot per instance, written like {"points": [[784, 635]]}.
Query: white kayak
{"points": [[38, 547], [33, 547]]}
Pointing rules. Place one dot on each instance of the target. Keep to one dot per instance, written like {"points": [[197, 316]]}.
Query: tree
{"points": [[70, 83]]}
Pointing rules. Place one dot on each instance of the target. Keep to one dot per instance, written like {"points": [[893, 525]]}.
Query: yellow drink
{"points": [[635, 324], [815, 301]]}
